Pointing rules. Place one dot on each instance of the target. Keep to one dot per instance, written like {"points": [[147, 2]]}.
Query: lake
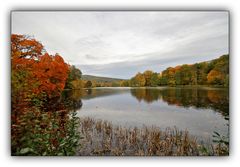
{"points": [[200, 110]]}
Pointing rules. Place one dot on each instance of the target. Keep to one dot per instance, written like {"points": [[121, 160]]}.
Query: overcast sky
{"points": [[120, 44]]}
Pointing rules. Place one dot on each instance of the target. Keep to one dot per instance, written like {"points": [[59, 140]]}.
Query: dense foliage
{"points": [[40, 124], [74, 78], [215, 72]]}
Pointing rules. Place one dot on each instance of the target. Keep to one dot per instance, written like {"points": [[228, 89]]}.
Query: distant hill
{"points": [[100, 79]]}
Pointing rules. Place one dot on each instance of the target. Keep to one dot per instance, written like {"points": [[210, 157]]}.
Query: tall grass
{"points": [[102, 138]]}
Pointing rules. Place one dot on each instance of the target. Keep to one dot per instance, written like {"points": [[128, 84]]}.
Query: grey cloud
{"points": [[119, 44]]}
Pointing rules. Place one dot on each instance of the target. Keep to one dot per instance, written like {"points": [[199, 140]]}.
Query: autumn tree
{"points": [[215, 77], [124, 83], [77, 84], [36, 79], [35, 73], [50, 73], [218, 71], [23, 46], [88, 84], [169, 75], [147, 75], [214, 72], [140, 79], [25, 51]]}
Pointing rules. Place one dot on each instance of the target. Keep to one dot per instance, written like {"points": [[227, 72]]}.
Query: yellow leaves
{"points": [[77, 84], [147, 74], [140, 79], [215, 77]]}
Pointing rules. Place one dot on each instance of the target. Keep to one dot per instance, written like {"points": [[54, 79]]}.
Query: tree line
{"points": [[214, 72]]}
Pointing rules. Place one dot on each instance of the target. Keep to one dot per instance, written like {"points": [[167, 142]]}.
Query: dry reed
{"points": [[102, 138]]}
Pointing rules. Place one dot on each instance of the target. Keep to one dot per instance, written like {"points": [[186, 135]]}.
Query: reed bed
{"points": [[102, 138]]}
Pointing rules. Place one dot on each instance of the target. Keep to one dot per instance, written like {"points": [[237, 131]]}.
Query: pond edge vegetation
{"points": [[102, 138]]}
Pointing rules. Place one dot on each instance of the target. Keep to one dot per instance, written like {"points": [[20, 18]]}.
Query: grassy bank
{"points": [[102, 138]]}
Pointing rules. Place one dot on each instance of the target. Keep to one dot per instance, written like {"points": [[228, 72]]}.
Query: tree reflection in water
{"points": [[215, 99], [72, 99]]}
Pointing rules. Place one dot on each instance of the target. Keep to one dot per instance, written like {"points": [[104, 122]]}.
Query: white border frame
{"points": [[7, 6]]}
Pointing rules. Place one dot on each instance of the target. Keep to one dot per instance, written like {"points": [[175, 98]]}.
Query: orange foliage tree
{"points": [[24, 53], [215, 77], [36, 79], [50, 74], [34, 72]]}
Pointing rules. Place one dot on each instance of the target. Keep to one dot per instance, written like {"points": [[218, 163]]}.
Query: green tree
{"points": [[88, 84], [162, 80], [147, 75], [124, 83], [201, 74], [74, 74], [154, 80]]}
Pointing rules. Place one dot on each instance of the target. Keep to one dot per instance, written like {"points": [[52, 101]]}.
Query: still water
{"points": [[201, 111]]}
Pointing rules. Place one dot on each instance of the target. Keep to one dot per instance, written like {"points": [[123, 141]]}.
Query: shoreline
{"points": [[152, 87]]}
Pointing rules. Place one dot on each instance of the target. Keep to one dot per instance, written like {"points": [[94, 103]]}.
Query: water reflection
{"points": [[199, 110], [200, 98], [72, 100], [215, 99]]}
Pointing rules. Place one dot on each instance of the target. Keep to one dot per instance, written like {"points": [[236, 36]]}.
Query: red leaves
{"points": [[26, 47], [35, 73], [37, 80], [51, 73]]}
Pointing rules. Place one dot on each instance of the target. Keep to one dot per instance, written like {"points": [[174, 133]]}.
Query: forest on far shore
{"points": [[211, 73]]}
